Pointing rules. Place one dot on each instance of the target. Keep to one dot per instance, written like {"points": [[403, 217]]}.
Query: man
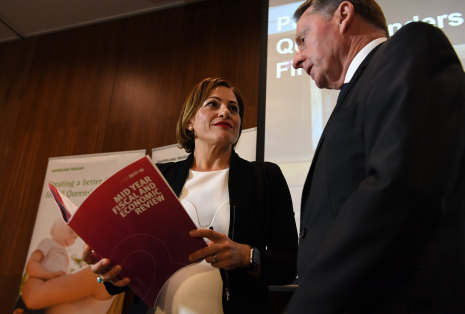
{"points": [[383, 208]]}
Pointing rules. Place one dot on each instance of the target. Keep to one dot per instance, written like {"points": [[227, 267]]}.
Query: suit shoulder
{"points": [[417, 27], [266, 166], [168, 167], [419, 34], [415, 46], [165, 165], [239, 162]]}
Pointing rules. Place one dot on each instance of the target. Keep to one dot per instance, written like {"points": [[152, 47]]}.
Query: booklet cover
{"points": [[135, 219]]}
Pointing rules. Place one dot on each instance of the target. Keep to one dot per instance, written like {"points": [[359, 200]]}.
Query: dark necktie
{"points": [[342, 90]]}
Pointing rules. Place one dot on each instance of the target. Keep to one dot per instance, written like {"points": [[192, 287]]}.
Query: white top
{"points": [[361, 55], [55, 255], [197, 288]]}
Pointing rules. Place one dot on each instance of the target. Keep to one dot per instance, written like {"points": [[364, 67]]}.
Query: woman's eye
{"points": [[212, 104], [234, 109]]}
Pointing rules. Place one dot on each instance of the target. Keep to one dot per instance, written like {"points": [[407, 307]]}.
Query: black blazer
{"points": [[261, 216], [383, 212]]}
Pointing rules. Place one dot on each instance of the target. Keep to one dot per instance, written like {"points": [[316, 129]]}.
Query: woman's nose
{"points": [[224, 112]]}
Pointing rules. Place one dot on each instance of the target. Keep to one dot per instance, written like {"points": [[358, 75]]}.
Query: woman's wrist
{"points": [[246, 256]]}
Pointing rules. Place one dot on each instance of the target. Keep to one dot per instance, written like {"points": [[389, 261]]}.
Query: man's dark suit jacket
{"points": [[383, 210]]}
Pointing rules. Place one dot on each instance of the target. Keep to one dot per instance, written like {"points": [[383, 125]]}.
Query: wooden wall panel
{"points": [[109, 87], [70, 82], [156, 59], [15, 63]]}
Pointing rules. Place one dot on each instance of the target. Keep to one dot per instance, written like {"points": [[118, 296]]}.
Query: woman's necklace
{"points": [[211, 221]]}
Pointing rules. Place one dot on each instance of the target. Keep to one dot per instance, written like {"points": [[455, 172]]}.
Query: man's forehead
{"points": [[310, 11], [308, 16]]}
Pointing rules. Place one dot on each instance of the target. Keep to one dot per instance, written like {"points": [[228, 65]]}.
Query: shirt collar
{"points": [[361, 55]]}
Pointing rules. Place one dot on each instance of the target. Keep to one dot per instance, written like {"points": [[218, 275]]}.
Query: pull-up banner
{"points": [[54, 256]]}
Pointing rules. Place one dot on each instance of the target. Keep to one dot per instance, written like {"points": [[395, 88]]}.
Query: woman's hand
{"points": [[221, 251], [102, 268]]}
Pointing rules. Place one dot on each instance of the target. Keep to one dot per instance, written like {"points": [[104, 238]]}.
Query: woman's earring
{"points": [[190, 128]]}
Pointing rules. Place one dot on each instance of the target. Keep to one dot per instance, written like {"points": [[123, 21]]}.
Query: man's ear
{"points": [[345, 14]]}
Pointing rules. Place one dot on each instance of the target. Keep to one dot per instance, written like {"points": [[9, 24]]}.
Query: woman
{"points": [[243, 210]]}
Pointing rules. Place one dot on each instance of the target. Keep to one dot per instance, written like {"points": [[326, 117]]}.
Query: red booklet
{"points": [[135, 219]]}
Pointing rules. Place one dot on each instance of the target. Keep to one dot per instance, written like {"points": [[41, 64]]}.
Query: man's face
{"points": [[319, 42]]}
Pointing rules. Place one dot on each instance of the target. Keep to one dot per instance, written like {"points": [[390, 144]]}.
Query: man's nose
{"points": [[298, 60]]}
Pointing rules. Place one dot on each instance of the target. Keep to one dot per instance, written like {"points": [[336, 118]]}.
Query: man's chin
{"points": [[323, 84], [319, 83]]}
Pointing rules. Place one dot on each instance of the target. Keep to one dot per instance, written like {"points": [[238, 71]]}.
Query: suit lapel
{"points": [[357, 74], [354, 80], [179, 176]]}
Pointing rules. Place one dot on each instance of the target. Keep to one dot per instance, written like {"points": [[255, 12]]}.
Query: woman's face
{"points": [[217, 122]]}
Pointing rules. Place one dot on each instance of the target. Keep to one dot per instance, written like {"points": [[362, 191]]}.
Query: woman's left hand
{"points": [[221, 251], [101, 267]]}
